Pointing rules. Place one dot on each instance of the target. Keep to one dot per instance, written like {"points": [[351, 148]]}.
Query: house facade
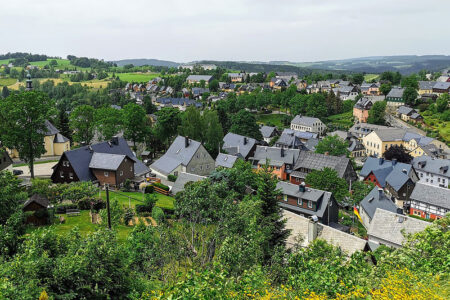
{"points": [[281, 161], [308, 124], [395, 97], [429, 202], [432, 171]]}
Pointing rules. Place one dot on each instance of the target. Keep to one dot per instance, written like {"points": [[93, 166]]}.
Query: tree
{"points": [[385, 88], [11, 196], [214, 132], [168, 122], [360, 189], [399, 153], [328, 180], [192, 124], [442, 103], [82, 123], [410, 81], [377, 113], [63, 124], [316, 106], [135, 123], [410, 95], [357, 78], [5, 92], [22, 124], [150, 108], [214, 85], [108, 122], [244, 123], [333, 145], [53, 63]]}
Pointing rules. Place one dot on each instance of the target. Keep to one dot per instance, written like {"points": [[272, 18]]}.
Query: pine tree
{"points": [[63, 124]]}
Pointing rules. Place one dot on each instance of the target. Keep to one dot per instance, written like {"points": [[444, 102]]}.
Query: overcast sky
{"points": [[263, 30]]}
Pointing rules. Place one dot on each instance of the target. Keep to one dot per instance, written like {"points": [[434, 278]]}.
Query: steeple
{"points": [[29, 85]]}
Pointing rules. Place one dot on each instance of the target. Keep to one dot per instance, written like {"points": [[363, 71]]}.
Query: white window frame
{"points": [[106, 174], [310, 204]]}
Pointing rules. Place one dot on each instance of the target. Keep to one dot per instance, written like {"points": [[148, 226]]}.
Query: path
{"points": [[396, 122]]}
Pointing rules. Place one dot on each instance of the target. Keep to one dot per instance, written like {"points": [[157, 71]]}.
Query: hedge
{"points": [[161, 186]]}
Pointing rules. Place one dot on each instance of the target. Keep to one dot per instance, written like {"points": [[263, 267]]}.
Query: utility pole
{"points": [[107, 205]]}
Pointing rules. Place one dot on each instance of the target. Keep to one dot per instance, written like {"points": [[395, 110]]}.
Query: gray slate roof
{"points": [[365, 128], [106, 161], [405, 110], [225, 160], [435, 166], [430, 194], [426, 85], [176, 155], [396, 93], [373, 163], [389, 226], [305, 121], [80, 158], [182, 179], [206, 78], [263, 153], [377, 199], [59, 138], [442, 85], [234, 144], [39, 199], [316, 161], [267, 131], [50, 128]]}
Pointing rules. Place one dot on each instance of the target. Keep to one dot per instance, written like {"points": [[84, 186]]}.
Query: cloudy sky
{"points": [[263, 30]]}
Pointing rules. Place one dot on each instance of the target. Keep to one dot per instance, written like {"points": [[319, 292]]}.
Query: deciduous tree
{"points": [[82, 122]]}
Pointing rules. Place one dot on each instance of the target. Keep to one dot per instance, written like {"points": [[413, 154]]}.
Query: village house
{"points": [[183, 179], [308, 202], [375, 199], [361, 109], [429, 202], [372, 89], [110, 162], [191, 79], [225, 160], [301, 85], [237, 77], [308, 161], [184, 155], [288, 76], [360, 130], [409, 114], [39, 205], [346, 92], [441, 88], [432, 171], [180, 103], [54, 142], [278, 83], [268, 132], [238, 145], [395, 97], [426, 87], [297, 140], [308, 124], [281, 161], [356, 148], [390, 229]]}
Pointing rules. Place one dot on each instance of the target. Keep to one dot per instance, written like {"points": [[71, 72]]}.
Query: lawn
{"points": [[270, 119], [136, 77], [7, 81], [442, 128], [133, 198], [370, 77], [341, 121]]}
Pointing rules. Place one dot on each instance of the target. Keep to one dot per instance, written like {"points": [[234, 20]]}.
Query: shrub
{"points": [[161, 186], [158, 214], [147, 206], [91, 203], [149, 189], [127, 185], [128, 216], [172, 178], [61, 209]]}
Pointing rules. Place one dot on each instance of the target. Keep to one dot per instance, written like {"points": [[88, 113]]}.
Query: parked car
{"points": [[17, 172]]}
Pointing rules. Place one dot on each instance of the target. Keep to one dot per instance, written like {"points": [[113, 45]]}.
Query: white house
{"points": [[308, 124]]}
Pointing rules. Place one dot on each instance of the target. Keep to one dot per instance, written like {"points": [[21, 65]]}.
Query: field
{"points": [[438, 126], [7, 81], [341, 121], [370, 77], [95, 83], [270, 119], [137, 77]]}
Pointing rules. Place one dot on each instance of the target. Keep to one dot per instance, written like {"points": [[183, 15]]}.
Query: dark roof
{"points": [[234, 144], [206, 78], [395, 93], [39, 199], [405, 110], [372, 164], [432, 165], [51, 129], [304, 120], [274, 154], [377, 199], [178, 101], [80, 158], [426, 85], [429, 194], [442, 85], [316, 161]]}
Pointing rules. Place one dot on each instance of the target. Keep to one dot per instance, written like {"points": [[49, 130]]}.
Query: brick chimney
{"points": [[186, 141]]}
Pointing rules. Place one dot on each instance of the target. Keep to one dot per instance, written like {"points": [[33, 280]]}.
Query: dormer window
{"points": [[66, 163], [310, 205]]}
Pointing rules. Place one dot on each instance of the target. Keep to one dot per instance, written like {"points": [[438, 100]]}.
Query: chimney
{"points": [[282, 152], [381, 160], [312, 228], [115, 140], [245, 140], [405, 172], [380, 192], [301, 187], [394, 161], [186, 141]]}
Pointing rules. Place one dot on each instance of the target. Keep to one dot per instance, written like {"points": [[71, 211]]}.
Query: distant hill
{"points": [[144, 61], [405, 64]]}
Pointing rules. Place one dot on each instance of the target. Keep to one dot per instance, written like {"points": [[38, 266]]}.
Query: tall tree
{"points": [[244, 123], [22, 124], [168, 121], [214, 132], [399, 153], [63, 124], [333, 145], [11, 196], [385, 88], [410, 95], [108, 122], [358, 78], [442, 103], [5, 92], [328, 180], [82, 123], [150, 108], [377, 113], [192, 124], [135, 123]]}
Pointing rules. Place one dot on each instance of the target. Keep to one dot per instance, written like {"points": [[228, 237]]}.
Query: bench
{"points": [[72, 212]]}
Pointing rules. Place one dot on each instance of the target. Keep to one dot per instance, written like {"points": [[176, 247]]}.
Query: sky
{"points": [[239, 30]]}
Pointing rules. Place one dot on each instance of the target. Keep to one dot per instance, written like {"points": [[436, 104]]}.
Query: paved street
{"points": [[395, 122], [40, 170]]}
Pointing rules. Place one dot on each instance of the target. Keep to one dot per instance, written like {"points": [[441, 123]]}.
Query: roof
{"points": [[429, 194], [182, 179], [277, 156], [391, 134], [50, 128], [316, 161], [389, 226], [177, 154], [341, 134], [397, 179], [426, 85], [225, 160], [80, 158], [405, 110], [39, 199], [298, 227], [238, 144], [377, 199], [178, 101], [106, 161], [442, 85], [373, 163], [432, 165], [59, 138], [291, 138], [303, 120], [364, 103], [396, 93], [267, 131], [365, 128], [199, 77]]}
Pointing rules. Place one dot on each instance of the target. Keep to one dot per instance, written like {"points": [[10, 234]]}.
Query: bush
{"points": [[61, 209], [172, 178], [161, 186], [91, 203], [149, 203], [128, 216], [149, 189], [127, 186], [158, 214]]}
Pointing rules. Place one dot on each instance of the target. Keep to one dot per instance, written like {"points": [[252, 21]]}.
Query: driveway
{"points": [[40, 170]]}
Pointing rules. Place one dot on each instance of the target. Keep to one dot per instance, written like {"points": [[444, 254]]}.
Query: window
{"points": [[421, 174], [131, 169], [66, 163], [192, 169], [207, 167], [106, 174], [285, 198], [201, 168], [121, 173], [61, 174], [71, 175], [310, 204], [300, 202]]}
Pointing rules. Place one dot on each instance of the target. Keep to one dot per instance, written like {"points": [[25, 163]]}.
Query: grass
{"points": [[7, 81], [35, 163], [342, 121], [133, 198], [95, 83], [370, 77], [136, 77], [438, 127], [270, 119]]}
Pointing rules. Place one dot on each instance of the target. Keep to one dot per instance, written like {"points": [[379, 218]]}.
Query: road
{"points": [[396, 122]]}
